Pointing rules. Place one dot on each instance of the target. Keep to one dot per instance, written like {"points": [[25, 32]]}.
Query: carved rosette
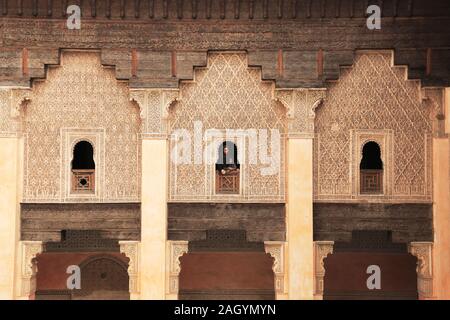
{"points": [[321, 250], [17, 99], [301, 105], [424, 253], [276, 251], [177, 249], [154, 107], [29, 249], [131, 250]]}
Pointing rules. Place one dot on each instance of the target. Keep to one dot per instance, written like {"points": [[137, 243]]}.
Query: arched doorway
{"points": [[103, 278]]}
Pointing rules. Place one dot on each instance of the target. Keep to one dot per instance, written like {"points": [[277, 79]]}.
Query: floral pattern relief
{"points": [[227, 94], [8, 124], [81, 94], [373, 94]]}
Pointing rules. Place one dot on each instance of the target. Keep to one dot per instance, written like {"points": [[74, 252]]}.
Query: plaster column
{"points": [[300, 218], [153, 218], [11, 150], [441, 209]]}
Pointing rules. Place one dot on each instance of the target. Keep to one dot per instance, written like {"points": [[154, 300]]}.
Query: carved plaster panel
{"points": [[373, 95], [321, 250], [176, 250], [228, 95], [29, 251], [276, 250], [131, 250], [424, 253], [80, 94]]}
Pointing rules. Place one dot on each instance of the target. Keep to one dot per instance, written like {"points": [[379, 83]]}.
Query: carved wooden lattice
{"points": [[371, 181], [373, 94]]}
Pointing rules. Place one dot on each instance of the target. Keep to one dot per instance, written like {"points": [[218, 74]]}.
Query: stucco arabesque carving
{"points": [[301, 105], [423, 251], [131, 250], [321, 250], [17, 100], [30, 250], [143, 98], [177, 250], [276, 251]]}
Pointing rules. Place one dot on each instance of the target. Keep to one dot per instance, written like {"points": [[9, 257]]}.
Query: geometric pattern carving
{"points": [[131, 250], [82, 241], [374, 95], [81, 95], [301, 107], [276, 251], [9, 123], [321, 250], [424, 253], [29, 251], [227, 94], [177, 249], [154, 107]]}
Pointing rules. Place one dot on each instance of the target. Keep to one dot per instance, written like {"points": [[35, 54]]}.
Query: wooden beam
{"points": [[429, 62], [19, 7], [108, 9], [293, 9], [322, 8], [280, 9], [174, 63], [265, 9], [308, 8], [320, 63], [280, 63], [180, 9], [49, 8], [5, 7], [237, 8], [194, 9], [251, 5], [134, 63], [208, 9], [151, 8], [93, 8], [25, 69], [122, 8], [222, 8], [137, 8], [165, 9], [34, 9], [352, 8], [338, 8]]}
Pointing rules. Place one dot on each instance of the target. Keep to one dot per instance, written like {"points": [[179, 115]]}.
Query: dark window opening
{"points": [[227, 169], [83, 167], [371, 169]]}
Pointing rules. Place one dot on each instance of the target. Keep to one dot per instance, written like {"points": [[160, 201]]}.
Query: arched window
{"points": [[83, 167], [227, 169], [371, 169]]}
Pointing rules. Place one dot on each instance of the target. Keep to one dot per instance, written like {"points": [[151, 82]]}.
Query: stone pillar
{"points": [[300, 218], [276, 249], [175, 250], [131, 250], [424, 253], [153, 218], [26, 279], [321, 250], [11, 154]]}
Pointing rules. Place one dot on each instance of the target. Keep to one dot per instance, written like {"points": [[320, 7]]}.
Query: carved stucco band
{"points": [[17, 99], [321, 250], [301, 105], [177, 249], [29, 250], [276, 250], [131, 250], [424, 253]]}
